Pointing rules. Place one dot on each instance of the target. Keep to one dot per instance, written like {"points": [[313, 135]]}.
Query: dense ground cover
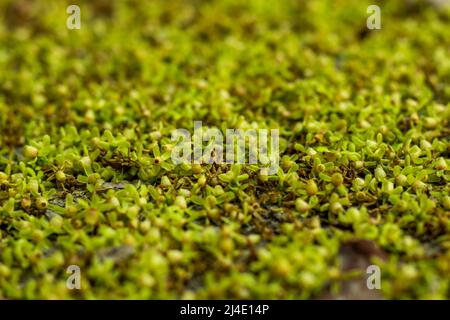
{"points": [[85, 171]]}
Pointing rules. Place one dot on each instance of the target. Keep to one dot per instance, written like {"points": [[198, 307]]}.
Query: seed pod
{"points": [[359, 164], [145, 226], [446, 202], [440, 164], [30, 152], [114, 201], [37, 235], [196, 168], [41, 203], [301, 205], [336, 207], [282, 267], [56, 222], [201, 181], [401, 180], [353, 215], [180, 202], [311, 188], [227, 245], [3, 177], [60, 176], [379, 173], [165, 182], [94, 178], [401, 205], [33, 186], [155, 135], [358, 183], [264, 175], [320, 168], [418, 185], [174, 256], [25, 203], [71, 210], [85, 161], [337, 179], [92, 216]]}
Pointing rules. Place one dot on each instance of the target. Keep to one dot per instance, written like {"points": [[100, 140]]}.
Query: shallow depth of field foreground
{"points": [[358, 208]]}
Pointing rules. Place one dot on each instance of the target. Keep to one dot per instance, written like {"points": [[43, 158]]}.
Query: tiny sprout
{"points": [[3, 177], [353, 215], [201, 181], [211, 201], [85, 161], [418, 185], [430, 123], [227, 245], [254, 238], [301, 205], [440, 164], [30, 152], [359, 164], [379, 173], [146, 280], [92, 216], [142, 201], [409, 272], [180, 202], [282, 267], [337, 179], [145, 226], [37, 235], [95, 141], [157, 160], [401, 205], [264, 175], [71, 210], [155, 135], [114, 202], [424, 144], [33, 186], [320, 168], [184, 192], [175, 256], [41, 203], [94, 178], [358, 183], [446, 202], [336, 207], [311, 188], [196, 168], [307, 279], [60, 176], [89, 116], [5, 271], [56, 222], [26, 203], [133, 211], [401, 180], [168, 147], [165, 182]]}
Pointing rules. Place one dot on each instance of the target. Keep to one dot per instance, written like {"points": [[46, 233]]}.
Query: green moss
{"points": [[86, 176]]}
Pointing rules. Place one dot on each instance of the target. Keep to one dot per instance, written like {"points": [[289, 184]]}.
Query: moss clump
{"points": [[86, 176]]}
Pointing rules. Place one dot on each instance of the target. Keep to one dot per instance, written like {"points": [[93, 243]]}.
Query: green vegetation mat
{"points": [[86, 177]]}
